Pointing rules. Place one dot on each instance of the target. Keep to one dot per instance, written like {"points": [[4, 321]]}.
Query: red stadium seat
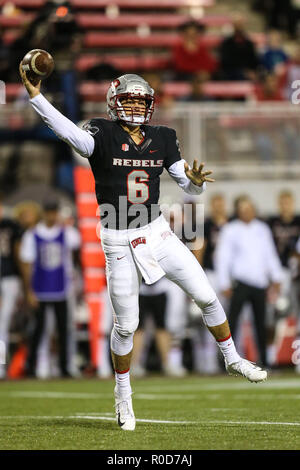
{"points": [[101, 20], [124, 62], [15, 21], [136, 4], [94, 21], [157, 40]]}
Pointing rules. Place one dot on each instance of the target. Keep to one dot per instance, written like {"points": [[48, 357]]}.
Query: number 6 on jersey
{"points": [[137, 190]]}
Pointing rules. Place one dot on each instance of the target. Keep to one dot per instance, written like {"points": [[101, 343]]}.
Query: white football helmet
{"points": [[129, 86]]}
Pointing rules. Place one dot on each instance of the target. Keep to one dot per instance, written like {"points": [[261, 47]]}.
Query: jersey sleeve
{"points": [[63, 127], [94, 128], [172, 148], [177, 172]]}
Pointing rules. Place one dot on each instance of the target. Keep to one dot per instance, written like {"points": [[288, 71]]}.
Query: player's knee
{"points": [[128, 328], [213, 313], [206, 300]]}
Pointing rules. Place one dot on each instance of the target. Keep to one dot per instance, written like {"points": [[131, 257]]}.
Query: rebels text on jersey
{"points": [[122, 168]]}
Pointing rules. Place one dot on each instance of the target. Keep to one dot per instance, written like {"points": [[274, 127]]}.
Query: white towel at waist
{"points": [[140, 245], [141, 242]]}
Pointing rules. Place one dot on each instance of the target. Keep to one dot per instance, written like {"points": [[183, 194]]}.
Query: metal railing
{"points": [[237, 140]]}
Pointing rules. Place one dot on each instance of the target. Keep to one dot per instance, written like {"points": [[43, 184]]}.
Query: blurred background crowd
{"points": [[225, 77]]}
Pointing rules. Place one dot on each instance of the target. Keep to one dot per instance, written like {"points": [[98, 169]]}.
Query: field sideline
{"points": [[172, 414]]}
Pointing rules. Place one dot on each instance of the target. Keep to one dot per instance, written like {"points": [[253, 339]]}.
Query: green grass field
{"points": [[173, 414]]}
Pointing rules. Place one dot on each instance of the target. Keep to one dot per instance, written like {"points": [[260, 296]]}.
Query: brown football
{"points": [[38, 65]]}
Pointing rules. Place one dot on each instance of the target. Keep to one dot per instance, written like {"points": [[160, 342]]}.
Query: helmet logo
{"points": [[116, 83]]}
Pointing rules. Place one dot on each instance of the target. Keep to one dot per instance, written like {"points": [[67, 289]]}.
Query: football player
{"points": [[127, 157]]}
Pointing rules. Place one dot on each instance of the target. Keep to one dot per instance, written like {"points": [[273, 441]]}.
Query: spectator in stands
{"points": [[274, 59], [247, 264], [238, 57], [190, 55], [197, 88], [162, 99], [45, 255], [269, 89]]}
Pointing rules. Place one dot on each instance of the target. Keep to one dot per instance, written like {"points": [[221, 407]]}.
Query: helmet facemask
{"points": [[132, 113]]}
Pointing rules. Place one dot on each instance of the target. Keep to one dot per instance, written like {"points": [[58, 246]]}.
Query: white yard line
{"points": [[35, 394], [242, 385], [104, 417], [155, 421], [67, 395], [262, 423]]}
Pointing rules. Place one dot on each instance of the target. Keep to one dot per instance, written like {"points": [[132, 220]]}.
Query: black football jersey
{"points": [[285, 236], [127, 175], [10, 232]]}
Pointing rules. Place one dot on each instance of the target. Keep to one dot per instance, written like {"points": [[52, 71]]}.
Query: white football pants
{"points": [[123, 276]]}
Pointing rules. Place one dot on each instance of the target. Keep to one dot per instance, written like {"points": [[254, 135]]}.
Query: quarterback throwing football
{"points": [[127, 157]]}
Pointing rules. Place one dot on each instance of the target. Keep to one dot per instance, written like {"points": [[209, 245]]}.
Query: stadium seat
{"points": [[135, 4], [101, 20], [15, 21], [124, 62], [155, 40], [95, 21]]}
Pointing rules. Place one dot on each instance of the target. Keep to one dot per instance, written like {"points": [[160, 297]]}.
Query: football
{"points": [[38, 65]]}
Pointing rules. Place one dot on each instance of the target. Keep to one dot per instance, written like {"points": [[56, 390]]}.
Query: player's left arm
{"points": [[191, 180]]}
